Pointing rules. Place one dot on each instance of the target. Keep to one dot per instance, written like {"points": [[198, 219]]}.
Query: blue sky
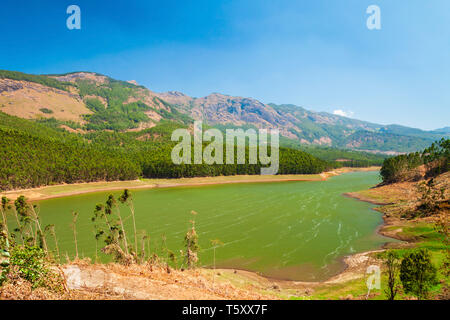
{"points": [[317, 54]]}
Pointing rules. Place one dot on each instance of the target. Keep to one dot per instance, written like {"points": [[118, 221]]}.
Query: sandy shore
{"points": [[360, 197], [65, 190]]}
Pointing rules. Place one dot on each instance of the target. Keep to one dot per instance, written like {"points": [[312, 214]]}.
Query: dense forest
{"points": [[36, 153], [344, 157], [347, 133], [436, 160], [44, 80]]}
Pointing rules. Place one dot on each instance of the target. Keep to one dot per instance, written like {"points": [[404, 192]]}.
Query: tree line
{"points": [[436, 160]]}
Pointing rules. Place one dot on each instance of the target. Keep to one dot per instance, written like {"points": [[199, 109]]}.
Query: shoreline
{"points": [[66, 190], [353, 263], [357, 196], [388, 220], [386, 197]]}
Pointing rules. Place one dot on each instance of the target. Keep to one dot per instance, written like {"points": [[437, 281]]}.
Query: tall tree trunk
{"points": [[57, 247], [123, 232], [19, 226], [38, 224], [134, 226]]}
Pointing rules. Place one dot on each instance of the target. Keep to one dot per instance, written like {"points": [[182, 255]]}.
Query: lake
{"points": [[286, 230]]}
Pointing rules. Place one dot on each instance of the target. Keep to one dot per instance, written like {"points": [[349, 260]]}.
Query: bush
{"points": [[417, 273], [391, 261], [28, 263], [46, 110], [401, 168]]}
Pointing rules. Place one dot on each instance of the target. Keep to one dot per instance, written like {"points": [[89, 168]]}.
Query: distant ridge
{"points": [[96, 102], [301, 125]]}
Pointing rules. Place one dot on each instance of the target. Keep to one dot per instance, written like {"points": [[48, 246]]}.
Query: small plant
{"points": [[442, 227], [170, 255], [111, 204], [144, 237], [51, 230], [4, 243], [74, 228], [164, 249], [20, 210], [4, 254], [191, 244], [417, 273], [46, 110], [40, 234], [3, 208], [392, 263], [98, 231], [4, 240], [127, 199], [28, 263], [114, 233], [118, 254]]}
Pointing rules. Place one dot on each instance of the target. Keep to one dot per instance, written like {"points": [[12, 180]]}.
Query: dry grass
{"points": [[27, 102], [87, 281]]}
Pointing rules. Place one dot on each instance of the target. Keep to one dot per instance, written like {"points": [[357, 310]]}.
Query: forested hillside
{"points": [[302, 125], [87, 101], [340, 157], [84, 126], [34, 154], [432, 161]]}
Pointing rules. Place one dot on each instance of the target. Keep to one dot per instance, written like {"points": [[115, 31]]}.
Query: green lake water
{"points": [[288, 230]]}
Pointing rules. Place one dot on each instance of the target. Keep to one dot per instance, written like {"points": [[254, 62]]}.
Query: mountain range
{"points": [[83, 101]]}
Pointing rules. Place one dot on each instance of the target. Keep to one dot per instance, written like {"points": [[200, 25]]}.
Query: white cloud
{"points": [[340, 112]]}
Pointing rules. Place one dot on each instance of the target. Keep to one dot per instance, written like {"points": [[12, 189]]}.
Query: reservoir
{"points": [[298, 230]]}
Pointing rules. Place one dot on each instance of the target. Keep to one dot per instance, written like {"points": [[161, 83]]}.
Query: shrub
{"points": [[28, 263], [191, 244], [46, 110], [391, 261], [417, 273], [401, 168]]}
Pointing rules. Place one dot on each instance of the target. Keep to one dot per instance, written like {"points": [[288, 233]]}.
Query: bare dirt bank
{"points": [[397, 199], [113, 281], [65, 190]]}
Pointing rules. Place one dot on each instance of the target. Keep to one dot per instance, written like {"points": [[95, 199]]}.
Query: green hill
{"points": [[84, 126], [36, 153]]}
